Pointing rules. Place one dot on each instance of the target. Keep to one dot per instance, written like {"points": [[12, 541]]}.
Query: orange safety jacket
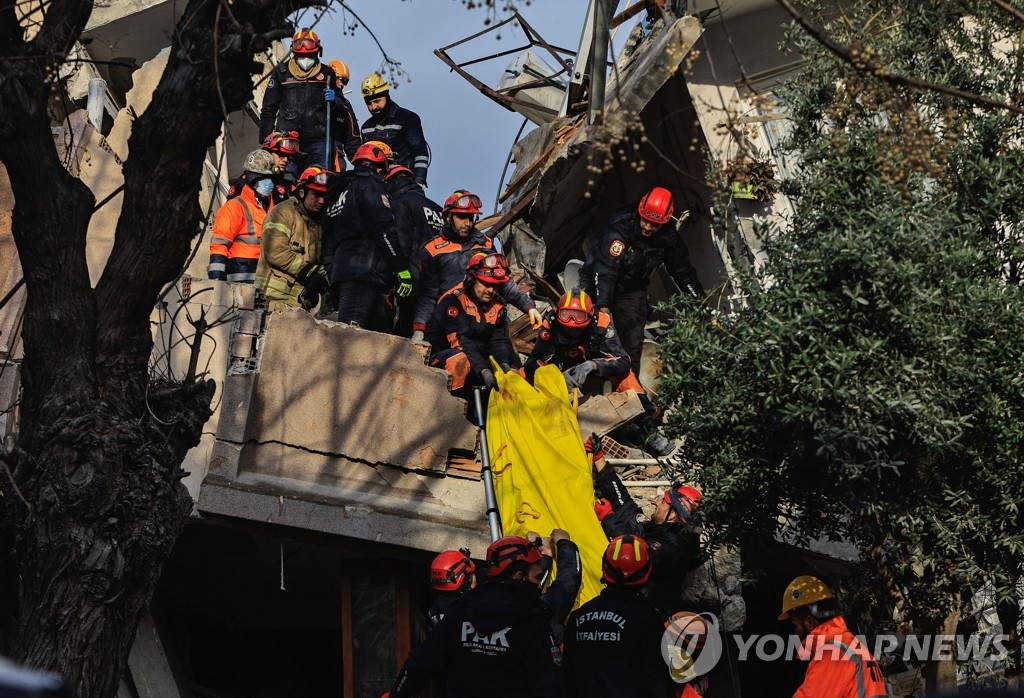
{"points": [[235, 241], [840, 665]]}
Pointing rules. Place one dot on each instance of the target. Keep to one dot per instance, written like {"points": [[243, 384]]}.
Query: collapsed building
{"points": [[321, 497]]}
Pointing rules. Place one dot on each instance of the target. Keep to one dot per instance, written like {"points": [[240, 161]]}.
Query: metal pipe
{"points": [[647, 483], [493, 522], [633, 461], [598, 63], [95, 102]]}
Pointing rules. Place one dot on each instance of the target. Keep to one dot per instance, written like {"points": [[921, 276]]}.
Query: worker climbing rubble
{"points": [[637, 240], [469, 325], [585, 347], [670, 532], [441, 262]]}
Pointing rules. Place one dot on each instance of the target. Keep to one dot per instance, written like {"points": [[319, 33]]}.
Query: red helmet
{"points": [[502, 553], [398, 171], [314, 178], [656, 206], [282, 142], [451, 570], [575, 310], [370, 152], [306, 42], [489, 268], [684, 500], [464, 202], [626, 561]]}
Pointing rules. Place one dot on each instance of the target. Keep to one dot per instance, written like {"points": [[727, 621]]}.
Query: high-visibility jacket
{"points": [[235, 242], [291, 240], [840, 666]]}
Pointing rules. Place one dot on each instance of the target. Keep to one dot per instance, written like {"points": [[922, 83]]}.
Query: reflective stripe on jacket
{"points": [[291, 239], [235, 239], [840, 666]]}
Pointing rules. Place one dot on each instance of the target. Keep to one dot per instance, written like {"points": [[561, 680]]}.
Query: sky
{"points": [[469, 135]]}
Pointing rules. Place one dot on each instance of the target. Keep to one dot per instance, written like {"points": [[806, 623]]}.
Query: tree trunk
{"points": [[91, 500], [940, 674]]}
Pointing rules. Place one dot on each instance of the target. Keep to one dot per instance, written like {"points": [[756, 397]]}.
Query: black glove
{"points": [[313, 278], [593, 445], [487, 376]]}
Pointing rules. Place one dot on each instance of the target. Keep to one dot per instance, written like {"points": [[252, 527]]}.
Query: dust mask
{"points": [[305, 63]]}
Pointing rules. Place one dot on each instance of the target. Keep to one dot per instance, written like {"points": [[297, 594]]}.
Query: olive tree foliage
{"points": [[90, 495], [872, 386]]}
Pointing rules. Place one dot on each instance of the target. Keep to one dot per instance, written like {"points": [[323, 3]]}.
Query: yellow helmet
{"points": [[374, 85], [803, 591]]}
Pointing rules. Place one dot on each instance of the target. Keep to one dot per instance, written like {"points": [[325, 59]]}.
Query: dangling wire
{"points": [[282, 567]]}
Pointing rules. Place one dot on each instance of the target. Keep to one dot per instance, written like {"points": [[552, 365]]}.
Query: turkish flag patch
{"points": [[545, 335], [385, 200], [617, 248], [453, 312]]}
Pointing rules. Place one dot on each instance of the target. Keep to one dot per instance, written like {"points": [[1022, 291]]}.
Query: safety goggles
{"points": [[304, 45], [573, 316], [468, 201], [286, 146], [495, 276], [319, 178]]}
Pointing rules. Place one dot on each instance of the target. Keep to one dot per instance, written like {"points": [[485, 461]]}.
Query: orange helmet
{"points": [[656, 206], [388, 152], [626, 561], [464, 202], [490, 268], [504, 552], [575, 310], [684, 500], [314, 178], [371, 152], [306, 42], [451, 570], [282, 142], [341, 70], [399, 171]]}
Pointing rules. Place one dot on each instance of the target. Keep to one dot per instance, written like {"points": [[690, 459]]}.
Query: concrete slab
{"points": [[338, 390], [600, 414]]}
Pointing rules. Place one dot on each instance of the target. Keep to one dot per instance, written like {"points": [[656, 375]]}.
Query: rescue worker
{"points": [[441, 262], [469, 326], [418, 220], [452, 573], [613, 642], [585, 347], [670, 533], [365, 260], [560, 553], [635, 242], [282, 147], [235, 241], [398, 127], [840, 665], [296, 99], [497, 641], [289, 272]]}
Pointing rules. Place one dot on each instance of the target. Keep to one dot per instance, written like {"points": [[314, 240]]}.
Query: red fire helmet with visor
{"points": [[489, 268], [504, 553], [282, 142], [575, 310], [626, 561], [314, 178], [463, 202], [451, 571], [683, 499], [306, 42]]}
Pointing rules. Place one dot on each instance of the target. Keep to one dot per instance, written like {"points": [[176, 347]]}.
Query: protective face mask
{"points": [[305, 63], [264, 187]]}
